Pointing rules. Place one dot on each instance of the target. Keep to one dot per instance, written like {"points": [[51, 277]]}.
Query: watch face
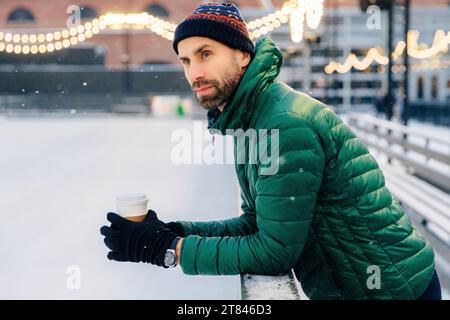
{"points": [[169, 259]]}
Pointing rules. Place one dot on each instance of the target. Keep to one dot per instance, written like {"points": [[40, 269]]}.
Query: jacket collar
{"points": [[262, 70]]}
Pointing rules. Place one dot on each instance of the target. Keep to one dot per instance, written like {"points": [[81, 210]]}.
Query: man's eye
{"points": [[206, 54], [184, 62]]}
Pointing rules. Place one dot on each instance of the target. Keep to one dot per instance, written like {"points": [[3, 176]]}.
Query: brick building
{"points": [[143, 45]]}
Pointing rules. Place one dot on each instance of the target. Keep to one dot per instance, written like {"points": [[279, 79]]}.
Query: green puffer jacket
{"points": [[326, 213]]}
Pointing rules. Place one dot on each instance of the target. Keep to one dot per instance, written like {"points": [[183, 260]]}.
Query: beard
{"points": [[220, 92]]}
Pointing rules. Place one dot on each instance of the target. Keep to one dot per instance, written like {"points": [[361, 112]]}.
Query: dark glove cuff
{"points": [[161, 241]]}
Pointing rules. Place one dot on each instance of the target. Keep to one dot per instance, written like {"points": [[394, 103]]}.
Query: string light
{"points": [[297, 21], [398, 51], [352, 61], [314, 12], [53, 41], [293, 11], [440, 44], [263, 25]]}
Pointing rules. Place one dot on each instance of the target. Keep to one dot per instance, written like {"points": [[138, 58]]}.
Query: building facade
{"points": [[343, 30]]}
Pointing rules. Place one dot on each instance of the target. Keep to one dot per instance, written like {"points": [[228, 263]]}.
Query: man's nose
{"points": [[195, 73]]}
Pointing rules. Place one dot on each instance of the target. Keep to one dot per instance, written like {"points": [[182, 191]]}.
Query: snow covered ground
{"points": [[58, 179]]}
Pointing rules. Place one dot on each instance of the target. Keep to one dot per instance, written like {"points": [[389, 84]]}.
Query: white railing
{"points": [[425, 193], [261, 287], [398, 141]]}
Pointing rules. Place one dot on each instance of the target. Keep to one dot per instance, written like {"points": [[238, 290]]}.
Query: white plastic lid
{"points": [[131, 198]]}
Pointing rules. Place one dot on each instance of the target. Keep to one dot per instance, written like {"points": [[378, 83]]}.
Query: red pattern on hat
{"points": [[230, 20]]}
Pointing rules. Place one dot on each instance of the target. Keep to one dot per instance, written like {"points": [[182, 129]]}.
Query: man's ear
{"points": [[244, 58]]}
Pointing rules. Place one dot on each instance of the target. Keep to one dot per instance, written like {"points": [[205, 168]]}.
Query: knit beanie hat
{"points": [[221, 22]]}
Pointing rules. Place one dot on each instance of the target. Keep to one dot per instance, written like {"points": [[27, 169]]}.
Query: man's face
{"points": [[212, 69]]}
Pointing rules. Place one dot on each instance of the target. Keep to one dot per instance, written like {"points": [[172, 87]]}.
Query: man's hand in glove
{"points": [[137, 241], [175, 227]]}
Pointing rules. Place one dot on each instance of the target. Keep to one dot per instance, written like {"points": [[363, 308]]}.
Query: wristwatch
{"points": [[170, 258]]}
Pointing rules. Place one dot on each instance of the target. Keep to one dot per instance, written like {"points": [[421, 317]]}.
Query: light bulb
{"points": [[25, 49]]}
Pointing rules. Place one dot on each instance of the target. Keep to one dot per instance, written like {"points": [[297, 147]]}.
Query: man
{"points": [[325, 213]]}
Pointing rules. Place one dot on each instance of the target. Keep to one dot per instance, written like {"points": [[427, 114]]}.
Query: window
{"points": [[335, 84], [296, 84], [434, 87], [20, 15], [420, 87], [362, 100], [324, 84], [317, 68], [366, 84], [333, 100], [157, 10], [397, 84], [327, 52], [88, 12]]}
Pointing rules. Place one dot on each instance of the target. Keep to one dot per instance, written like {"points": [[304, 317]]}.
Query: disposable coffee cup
{"points": [[132, 206]]}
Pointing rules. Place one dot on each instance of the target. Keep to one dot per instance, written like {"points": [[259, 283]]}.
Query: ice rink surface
{"points": [[58, 179]]}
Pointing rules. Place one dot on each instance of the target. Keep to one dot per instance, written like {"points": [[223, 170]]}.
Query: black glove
{"points": [[176, 227], [173, 226], [136, 241]]}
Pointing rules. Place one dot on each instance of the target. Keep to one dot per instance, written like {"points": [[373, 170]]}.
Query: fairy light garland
{"points": [[440, 44], [293, 11], [352, 62], [297, 22], [314, 13], [51, 41], [264, 25]]}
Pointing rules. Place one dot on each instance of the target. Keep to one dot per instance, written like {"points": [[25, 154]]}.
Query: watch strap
{"points": [[173, 245]]}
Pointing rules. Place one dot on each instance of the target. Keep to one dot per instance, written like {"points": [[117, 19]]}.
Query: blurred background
{"points": [[91, 93]]}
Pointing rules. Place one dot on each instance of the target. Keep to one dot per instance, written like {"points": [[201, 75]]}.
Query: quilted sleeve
{"points": [[285, 203], [243, 225]]}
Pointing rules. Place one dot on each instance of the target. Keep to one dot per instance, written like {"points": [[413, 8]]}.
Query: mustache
{"points": [[201, 83]]}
